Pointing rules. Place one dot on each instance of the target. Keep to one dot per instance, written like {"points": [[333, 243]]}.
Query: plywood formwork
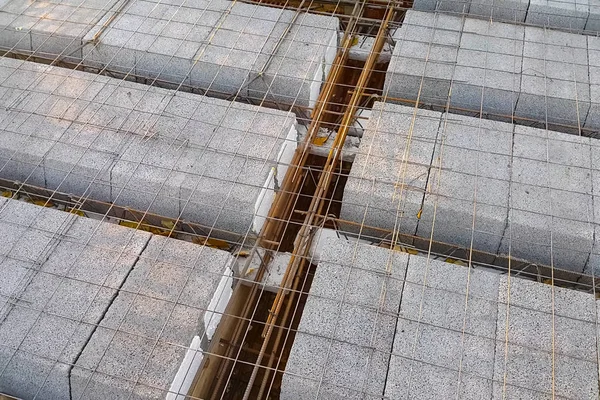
{"points": [[93, 309], [501, 70], [452, 327], [176, 154], [474, 183], [229, 49]]}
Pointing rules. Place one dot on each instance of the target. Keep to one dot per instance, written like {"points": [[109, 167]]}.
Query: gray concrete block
{"points": [[349, 314], [442, 331], [465, 210], [413, 379], [228, 53], [222, 46], [488, 67], [173, 154], [324, 368], [450, 6], [534, 359], [500, 10], [558, 14], [530, 372], [593, 20], [172, 284], [435, 294], [467, 200], [56, 30], [594, 78], [389, 174], [424, 57], [550, 208], [562, 243], [593, 265], [555, 82], [499, 69], [57, 291]]}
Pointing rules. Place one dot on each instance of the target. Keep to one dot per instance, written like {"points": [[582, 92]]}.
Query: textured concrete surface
{"points": [[424, 57], [554, 79], [563, 14], [548, 342], [144, 335], [501, 69], [54, 29], [389, 175], [442, 333], [343, 342], [498, 187], [225, 47], [459, 332], [91, 309], [60, 273], [177, 154]]}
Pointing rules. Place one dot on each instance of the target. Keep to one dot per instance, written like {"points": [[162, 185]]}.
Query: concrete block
{"points": [[549, 218], [71, 168], [349, 315], [562, 243], [435, 294], [227, 53], [593, 21], [56, 30], [389, 174], [325, 368], [413, 379], [29, 234], [558, 14], [498, 69], [173, 284], [175, 154], [530, 372], [458, 6], [555, 80], [534, 361], [593, 43], [446, 329], [500, 10], [593, 265], [57, 291], [488, 67], [424, 57], [467, 200], [465, 210]]}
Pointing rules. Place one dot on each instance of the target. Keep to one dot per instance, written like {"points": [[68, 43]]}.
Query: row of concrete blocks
{"points": [[228, 48], [93, 310], [564, 14], [384, 324], [181, 155], [492, 186], [504, 71]]}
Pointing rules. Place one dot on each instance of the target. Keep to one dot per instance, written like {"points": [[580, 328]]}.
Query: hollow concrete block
{"points": [[558, 14], [500, 10], [353, 331], [59, 292], [446, 324], [424, 57], [534, 363], [389, 174], [172, 284]]}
